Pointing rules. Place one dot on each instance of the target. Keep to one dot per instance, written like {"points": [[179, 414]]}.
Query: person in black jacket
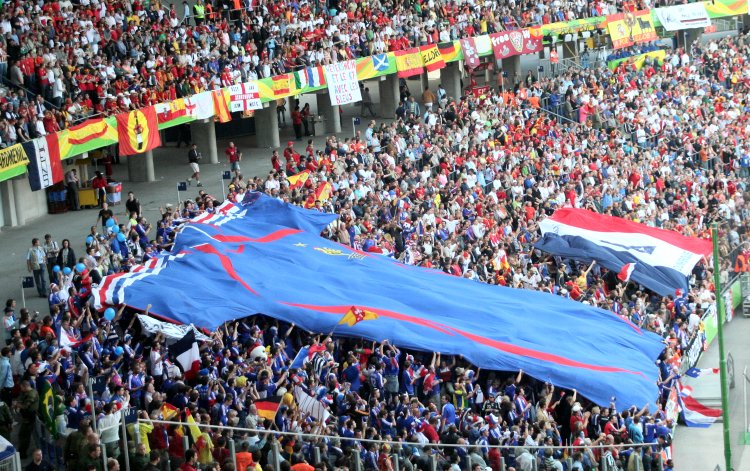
{"points": [[66, 257], [194, 157]]}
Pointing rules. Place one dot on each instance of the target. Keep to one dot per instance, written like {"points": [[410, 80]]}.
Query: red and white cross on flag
{"points": [[244, 97]]}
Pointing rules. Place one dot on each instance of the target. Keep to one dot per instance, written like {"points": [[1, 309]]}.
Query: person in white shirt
{"points": [[109, 429]]}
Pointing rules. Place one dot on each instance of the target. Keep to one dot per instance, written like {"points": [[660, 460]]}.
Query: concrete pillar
{"points": [[21, 203], [267, 127], [329, 112], [689, 36], [488, 71], [450, 78], [511, 71], [424, 81], [9, 203], [570, 49], [141, 167], [389, 95], [204, 135]]}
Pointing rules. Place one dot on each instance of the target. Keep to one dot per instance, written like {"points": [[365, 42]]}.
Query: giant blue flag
{"points": [[268, 257]]}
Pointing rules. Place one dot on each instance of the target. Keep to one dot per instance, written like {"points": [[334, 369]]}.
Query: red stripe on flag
{"points": [[589, 220]]}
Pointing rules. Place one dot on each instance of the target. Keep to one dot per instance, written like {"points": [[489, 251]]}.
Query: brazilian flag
{"points": [[48, 405]]}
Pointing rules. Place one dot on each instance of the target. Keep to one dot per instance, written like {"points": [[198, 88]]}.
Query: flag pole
{"points": [[722, 354]]}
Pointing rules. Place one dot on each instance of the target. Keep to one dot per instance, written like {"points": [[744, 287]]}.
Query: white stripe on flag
{"points": [[310, 405]]}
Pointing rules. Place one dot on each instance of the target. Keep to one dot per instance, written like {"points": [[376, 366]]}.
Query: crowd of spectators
{"points": [[97, 58], [459, 187]]}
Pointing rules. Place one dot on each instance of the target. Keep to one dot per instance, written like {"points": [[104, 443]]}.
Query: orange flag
{"points": [[138, 131], [221, 108]]}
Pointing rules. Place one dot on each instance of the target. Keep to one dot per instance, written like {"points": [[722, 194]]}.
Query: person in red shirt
{"points": [[191, 461], [99, 183], [234, 156]]}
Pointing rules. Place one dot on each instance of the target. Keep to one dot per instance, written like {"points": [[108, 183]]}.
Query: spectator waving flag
{"points": [[47, 406], [663, 259], [625, 272], [310, 405], [268, 407], [187, 354], [355, 315], [138, 131], [698, 372], [693, 413]]}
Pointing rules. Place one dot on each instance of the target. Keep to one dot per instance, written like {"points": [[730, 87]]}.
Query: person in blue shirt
{"points": [[390, 358], [448, 414]]}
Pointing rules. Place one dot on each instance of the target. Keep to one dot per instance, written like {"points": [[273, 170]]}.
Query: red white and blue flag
{"points": [[698, 372], [45, 167], [662, 259], [625, 272], [695, 414]]}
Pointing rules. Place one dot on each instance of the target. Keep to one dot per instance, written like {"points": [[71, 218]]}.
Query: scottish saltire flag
{"points": [[693, 413], [264, 256], [663, 259], [698, 372]]}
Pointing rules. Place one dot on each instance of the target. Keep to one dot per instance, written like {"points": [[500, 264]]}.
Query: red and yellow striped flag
{"points": [[299, 179], [221, 105], [432, 58], [324, 192], [409, 62]]}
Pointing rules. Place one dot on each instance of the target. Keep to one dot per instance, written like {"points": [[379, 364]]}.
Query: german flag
{"points": [[449, 51], [267, 407], [221, 105], [138, 131], [409, 62]]}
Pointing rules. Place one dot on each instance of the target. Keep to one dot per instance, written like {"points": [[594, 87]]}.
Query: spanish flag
{"points": [[221, 105], [432, 58], [195, 431], [282, 85], [168, 411], [299, 179], [356, 315], [267, 407], [323, 192], [409, 62], [138, 131]]}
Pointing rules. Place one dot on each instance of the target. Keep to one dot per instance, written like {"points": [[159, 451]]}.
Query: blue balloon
{"points": [[110, 222], [109, 314], [89, 240], [119, 351], [80, 267], [121, 237], [56, 268], [116, 229], [67, 270]]}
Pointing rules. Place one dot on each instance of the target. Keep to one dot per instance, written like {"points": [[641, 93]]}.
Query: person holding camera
{"points": [[194, 158]]}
